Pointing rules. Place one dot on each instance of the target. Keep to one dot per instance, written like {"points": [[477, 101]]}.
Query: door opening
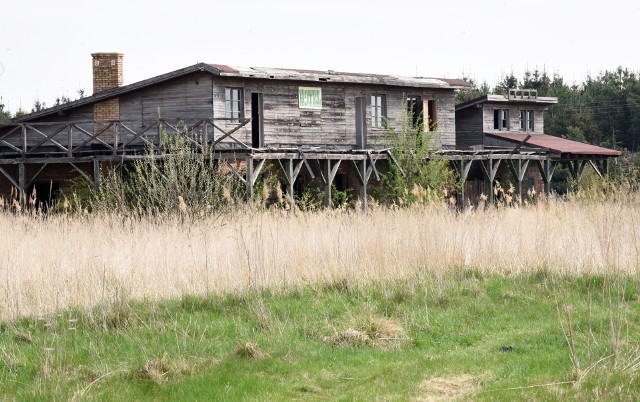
{"points": [[257, 125]]}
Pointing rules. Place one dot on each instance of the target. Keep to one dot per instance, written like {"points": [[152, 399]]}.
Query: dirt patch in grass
{"points": [[447, 388], [165, 369], [348, 338], [373, 331], [250, 350]]}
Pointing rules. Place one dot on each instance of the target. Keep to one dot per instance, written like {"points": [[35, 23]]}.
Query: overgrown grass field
{"points": [[466, 335], [424, 303]]}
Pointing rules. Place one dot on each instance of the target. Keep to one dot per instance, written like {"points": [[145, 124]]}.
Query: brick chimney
{"points": [[107, 71], [107, 74]]}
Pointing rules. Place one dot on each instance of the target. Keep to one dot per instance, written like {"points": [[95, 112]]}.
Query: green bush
{"points": [[181, 180]]}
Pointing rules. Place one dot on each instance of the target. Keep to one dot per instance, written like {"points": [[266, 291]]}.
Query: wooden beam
{"points": [[306, 163], [519, 145], [396, 162], [235, 172], [48, 138], [372, 167], [35, 176], [11, 179], [93, 137], [82, 173], [595, 168]]}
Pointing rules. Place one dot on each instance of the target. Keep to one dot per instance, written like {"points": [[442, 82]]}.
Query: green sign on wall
{"points": [[309, 98]]}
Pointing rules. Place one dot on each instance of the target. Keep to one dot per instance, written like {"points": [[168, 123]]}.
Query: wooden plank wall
{"points": [[187, 98], [285, 124], [514, 117]]}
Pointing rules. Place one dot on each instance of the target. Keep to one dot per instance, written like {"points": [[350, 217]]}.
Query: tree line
{"points": [[603, 110]]}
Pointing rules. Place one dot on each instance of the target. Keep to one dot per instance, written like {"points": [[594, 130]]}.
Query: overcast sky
{"points": [[45, 46]]}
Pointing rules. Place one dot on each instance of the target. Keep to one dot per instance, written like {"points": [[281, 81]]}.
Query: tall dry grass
{"points": [[61, 261]]}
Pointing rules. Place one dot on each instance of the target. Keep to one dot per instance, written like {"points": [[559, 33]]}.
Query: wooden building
{"points": [[505, 127], [254, 114], [327, 124]]}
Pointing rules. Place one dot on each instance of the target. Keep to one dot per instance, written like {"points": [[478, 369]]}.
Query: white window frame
{"points": [[234, 104], [378, 110]]}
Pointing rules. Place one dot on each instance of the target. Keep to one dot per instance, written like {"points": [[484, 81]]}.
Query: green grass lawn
{"points": [[467, 336]]}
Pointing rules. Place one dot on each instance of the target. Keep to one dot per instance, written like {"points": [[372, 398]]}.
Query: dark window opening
{"points": [[415, 108], [501, 119], [432, 117]]}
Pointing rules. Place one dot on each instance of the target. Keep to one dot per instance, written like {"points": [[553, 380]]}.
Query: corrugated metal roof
{"points": [[540, 100], [253, 72], [557, 144], [338, 77]]}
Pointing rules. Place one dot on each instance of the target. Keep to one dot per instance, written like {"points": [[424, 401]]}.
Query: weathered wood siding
{"points": [[498, 142], [469, 128], [285, 124], [187, 98], [514, 117]]}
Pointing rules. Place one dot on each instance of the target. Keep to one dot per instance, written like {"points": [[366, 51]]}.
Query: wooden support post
{"points": [[576, 167], [462, 167], [116, 137], [518, 168], [549, 167], [70, 141], [490, 169], [96, 174], [326, 175], [24, 140], [249, 178], [22, 183], [289, 173], [363, 184], [251, 175]]}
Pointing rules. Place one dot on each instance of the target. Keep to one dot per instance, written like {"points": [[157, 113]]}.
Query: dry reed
{"points": [[51, 263]]}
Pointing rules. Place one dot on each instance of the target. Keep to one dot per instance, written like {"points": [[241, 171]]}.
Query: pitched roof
{"points": [[257, 73], [557, 144]]}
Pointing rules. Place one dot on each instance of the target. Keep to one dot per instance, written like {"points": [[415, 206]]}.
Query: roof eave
{"points": [[118, 91]]}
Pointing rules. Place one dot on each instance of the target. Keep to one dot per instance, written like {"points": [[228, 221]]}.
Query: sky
{"points": [[46, 46]]}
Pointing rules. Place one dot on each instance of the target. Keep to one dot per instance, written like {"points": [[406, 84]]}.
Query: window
{"points": [[526, 120], [431, 115], [415, 109], [234, 105], [501, 119], [378, 110]]}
